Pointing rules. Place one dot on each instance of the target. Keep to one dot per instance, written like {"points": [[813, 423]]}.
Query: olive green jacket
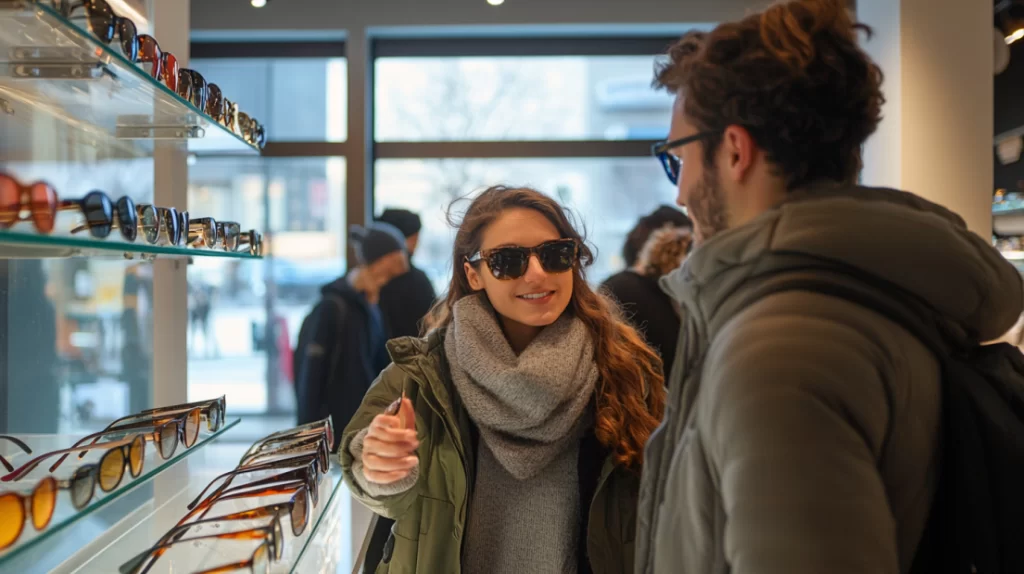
{"points": [[430, 518]]}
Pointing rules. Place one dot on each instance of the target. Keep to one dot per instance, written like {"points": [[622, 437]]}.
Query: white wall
{"points": [[353, 14]]}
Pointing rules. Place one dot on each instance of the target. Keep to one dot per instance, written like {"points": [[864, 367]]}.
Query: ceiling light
{"points": [[495, 2], [1015, 35], [258, 3]]}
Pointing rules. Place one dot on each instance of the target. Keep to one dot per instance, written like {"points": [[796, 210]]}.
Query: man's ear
{"points": [[475, 281], [739, 149]]}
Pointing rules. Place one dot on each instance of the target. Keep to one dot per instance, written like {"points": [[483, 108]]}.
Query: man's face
{"points": [[388, 267], [700, 191], [411, 243]]}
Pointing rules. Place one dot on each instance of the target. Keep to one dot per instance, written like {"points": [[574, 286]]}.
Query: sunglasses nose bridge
{"points": [[535, 271]]}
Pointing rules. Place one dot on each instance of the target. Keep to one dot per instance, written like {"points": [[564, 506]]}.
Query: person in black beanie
{"points": [[341, 343], [405, 301]]}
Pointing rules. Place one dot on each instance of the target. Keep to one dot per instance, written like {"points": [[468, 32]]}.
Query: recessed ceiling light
{"points": [[258, 3], [495, 2]]}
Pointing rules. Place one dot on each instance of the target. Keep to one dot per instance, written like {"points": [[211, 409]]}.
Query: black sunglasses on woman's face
{"points": [[670, 162], [508, 263]]}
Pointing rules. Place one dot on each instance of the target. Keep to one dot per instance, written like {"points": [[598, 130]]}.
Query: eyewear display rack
{"points": [[63, 89]]}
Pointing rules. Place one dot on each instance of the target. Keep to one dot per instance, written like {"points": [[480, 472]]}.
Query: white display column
{"points": [[936, 137]]}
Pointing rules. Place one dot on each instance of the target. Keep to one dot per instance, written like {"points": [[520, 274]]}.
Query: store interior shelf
{"points": [[15, 245], [54, 66], [163, 514], [71, 529]]}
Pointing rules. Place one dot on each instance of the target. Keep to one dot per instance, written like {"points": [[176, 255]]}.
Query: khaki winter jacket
{"points": [[802, 431]]}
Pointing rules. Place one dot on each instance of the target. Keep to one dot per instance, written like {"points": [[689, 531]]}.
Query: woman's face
{"points": [[536, 299]]}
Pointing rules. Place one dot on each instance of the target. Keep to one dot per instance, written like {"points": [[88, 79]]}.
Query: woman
{"points": [[511, 438], [649, 309]]}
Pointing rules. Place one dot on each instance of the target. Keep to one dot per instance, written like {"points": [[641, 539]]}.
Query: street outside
{"points": [[226, 363]]}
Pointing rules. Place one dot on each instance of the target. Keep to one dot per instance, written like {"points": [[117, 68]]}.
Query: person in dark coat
{"points": [[405, 301], [649, 309], [341, 344], [636, 288]]}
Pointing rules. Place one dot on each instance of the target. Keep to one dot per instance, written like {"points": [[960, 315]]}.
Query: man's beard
{"points": [[706, 207]]}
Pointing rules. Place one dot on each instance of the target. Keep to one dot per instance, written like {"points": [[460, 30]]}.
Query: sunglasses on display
{"points": [[315, 428], [128, 453], [305, 468], [39, 199], [202, 232], [253, 240], [105, 24], [228, 231], [269, 549], [192, 86], [508, 263], [166, 435], [103, 215], [16, 509], [310, 445], [210, 410], [18, 443], [302, 487], [671, 162], [215, 107]]}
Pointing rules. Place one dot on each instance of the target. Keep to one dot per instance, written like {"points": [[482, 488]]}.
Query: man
{"points": [[802, 429], [405, 301], [341, 343]]}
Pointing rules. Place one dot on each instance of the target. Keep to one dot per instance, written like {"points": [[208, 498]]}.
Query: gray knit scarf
{"points": [[528, 407]]}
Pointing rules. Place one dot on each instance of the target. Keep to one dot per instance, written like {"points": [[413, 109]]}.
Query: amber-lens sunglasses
{"points": [[16, 508], [185, 428], [108, 472], [270, 548], [38, 198], [297, 508]]}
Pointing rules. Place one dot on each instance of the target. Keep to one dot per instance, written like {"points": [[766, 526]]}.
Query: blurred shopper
{"points": [[803, 428], [405, 301], [341, 342], [649, 309], [510, 439], [637, 237]]}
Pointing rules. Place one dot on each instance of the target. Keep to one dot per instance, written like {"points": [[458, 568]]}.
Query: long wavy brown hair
{"points": [[630, 397]]}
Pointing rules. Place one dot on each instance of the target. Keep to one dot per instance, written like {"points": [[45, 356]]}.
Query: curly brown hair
{"points": [[794, 77], [664, 251], [630, 398]]}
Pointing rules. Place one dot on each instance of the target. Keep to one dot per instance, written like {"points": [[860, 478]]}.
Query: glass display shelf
{"points": [[15, 245], [163, 514], [38, 551], [56, 66]]}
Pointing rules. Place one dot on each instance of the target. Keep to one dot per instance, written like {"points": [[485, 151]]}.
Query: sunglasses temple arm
{"points": [[93, 437], [27, 467], [243, 565], [158, 550], [181, 407], [24, 447]]}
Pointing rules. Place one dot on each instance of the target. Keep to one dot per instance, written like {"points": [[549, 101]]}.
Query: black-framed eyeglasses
{"points": [[669, 162], [507, 263]]}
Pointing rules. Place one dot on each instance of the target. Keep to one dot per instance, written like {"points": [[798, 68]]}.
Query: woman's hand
{"points": [[389, 450]]}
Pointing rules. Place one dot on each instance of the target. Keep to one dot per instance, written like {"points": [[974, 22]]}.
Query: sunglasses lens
{"points": [[168, 440], [43, 202], [183, 221], [137, 455], [111, 469], [300, 512], [185, 84], [214, 418], [127, 219], [169, 75], [44, 498], [171, 223], [558, 257], [10, 200], [129, 38], [508, 262], [101, 20], [150, 224], [278, 538], [99, 214], [192, 427], [12, 518], [82, 485], [261, 560]]}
